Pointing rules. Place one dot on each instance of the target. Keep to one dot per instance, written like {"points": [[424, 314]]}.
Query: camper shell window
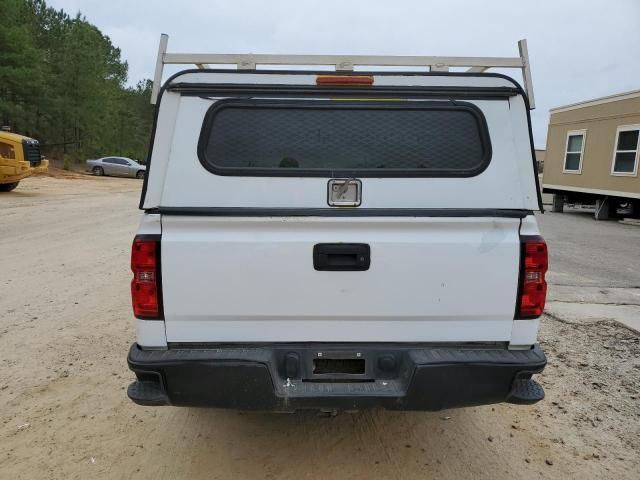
{"points": [[344, 138]]}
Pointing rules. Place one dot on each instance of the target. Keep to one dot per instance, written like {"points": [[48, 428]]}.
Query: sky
{"points": [[578, 49]]}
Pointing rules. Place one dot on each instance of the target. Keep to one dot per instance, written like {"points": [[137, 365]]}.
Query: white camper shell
{"points": [[338, 240]]}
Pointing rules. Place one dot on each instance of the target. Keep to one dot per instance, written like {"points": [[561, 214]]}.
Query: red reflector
{"points": [[146, 293], [533, 287], [344, 80]]}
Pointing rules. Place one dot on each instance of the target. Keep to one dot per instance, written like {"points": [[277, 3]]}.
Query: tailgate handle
{"points": [[341, 257]]}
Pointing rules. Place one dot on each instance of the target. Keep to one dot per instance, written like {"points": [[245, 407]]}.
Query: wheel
{"points": [[98, 171], [7, 187], [140, 174]]}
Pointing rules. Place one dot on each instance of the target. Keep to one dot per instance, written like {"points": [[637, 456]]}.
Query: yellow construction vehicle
{"points": [[19, 158]]}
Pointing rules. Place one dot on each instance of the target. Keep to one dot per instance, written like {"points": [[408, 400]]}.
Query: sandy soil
{"points": [[65, 327]]}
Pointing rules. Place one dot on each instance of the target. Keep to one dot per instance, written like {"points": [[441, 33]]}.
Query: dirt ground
{"points": [[65, 327]]}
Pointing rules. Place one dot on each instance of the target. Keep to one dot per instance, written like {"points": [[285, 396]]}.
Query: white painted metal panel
{"points": [[529, 226], [150, 224], [253, 279], [524, 333], [151, 333], [338, 330], [508, 182], [177, 179], [161, 154]]}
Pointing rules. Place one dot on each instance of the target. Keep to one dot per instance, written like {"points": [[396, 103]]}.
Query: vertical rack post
{"points": [[157, 77], [526, 72]]}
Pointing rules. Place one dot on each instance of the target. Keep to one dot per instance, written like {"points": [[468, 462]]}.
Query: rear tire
{"points": [[140, 174], [97, 171], [7, 187]]}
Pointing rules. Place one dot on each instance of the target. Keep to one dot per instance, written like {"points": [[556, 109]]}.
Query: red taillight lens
{"points": [[344, 80], [533, 287], [146, 293]]}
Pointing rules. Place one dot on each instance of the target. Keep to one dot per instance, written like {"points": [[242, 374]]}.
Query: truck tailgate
{"points": [[440, 279]]}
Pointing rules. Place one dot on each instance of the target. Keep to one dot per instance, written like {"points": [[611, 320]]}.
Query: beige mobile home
{"points": [[593, 151], [540, 154]]}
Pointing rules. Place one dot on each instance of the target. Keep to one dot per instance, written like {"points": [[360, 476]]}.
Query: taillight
{"points": [[146, 287], [533, 287], [344, 80]]}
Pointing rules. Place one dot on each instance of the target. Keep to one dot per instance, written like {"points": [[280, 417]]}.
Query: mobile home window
{"points": [[344, 138], [625, 156], [574, 151]]}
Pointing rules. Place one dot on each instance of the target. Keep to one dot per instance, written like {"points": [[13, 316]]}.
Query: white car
{"points": [[339, 241], [116, 167]]}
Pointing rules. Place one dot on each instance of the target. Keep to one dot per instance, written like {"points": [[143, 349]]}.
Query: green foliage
{"points": [[66, 161], [63, 82]]}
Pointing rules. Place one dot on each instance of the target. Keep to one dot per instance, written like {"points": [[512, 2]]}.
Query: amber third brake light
{"points": [[533, 286], [347, 80], [146, 290]]}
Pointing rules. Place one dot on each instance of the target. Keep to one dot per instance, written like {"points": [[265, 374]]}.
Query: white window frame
{"points": [[571, 133], [625, 128]]}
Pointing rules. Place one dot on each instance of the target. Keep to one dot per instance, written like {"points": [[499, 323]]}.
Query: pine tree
{"points": [[63, 82]]}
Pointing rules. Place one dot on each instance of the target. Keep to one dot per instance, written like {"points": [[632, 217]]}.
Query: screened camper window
{"points": [[574, 151], [332, 138], [625, 156]]}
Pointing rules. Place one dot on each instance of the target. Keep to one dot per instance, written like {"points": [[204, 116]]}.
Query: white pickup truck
{"points": [[332, 241]]}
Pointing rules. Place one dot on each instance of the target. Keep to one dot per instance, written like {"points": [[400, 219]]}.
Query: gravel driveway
{"points": [[65, 327]]}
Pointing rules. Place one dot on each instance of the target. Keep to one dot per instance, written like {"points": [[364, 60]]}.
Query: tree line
{"points": [[63, 82]]}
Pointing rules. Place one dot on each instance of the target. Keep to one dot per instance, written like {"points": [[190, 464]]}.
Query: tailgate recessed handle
{"points": [[341, 257]]}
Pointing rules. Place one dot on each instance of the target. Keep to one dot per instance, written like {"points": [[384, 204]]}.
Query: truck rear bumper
{"points": [[289, 377]]}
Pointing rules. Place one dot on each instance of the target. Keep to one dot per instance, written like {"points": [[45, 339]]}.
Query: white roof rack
{"points": [[342, 63]]}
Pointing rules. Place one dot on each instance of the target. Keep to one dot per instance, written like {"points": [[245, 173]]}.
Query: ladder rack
{"points": [[341, 63]]}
